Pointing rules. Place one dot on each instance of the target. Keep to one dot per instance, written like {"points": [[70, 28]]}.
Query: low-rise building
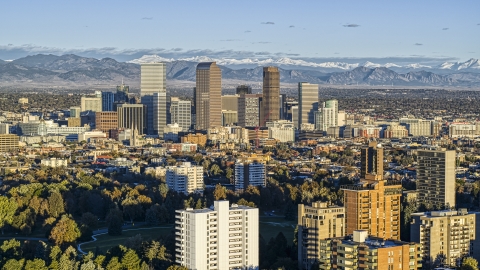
{"points": [[54, 162]]}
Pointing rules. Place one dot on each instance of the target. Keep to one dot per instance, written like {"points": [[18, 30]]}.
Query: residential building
{"points": [[208, 96], [181, 113], [446, 236], [54, 162], [463, 130], [222, 237], [93, 104], [373, 204], [307, 103], [108, 98], [395, 130], [248, 110], [271, 95], [417, 127], [106, 121], [328, 116], [185, 178], [200, 139], [8, 142], [281, 130], [131, 116], [243, 90], [4, 128], [153, 78], [250, 172], [361, 251], [436, 178], [315, 223]]}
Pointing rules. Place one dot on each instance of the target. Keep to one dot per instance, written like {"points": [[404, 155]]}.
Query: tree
{"points": [[219, 193], [8, 207], [13, 264], [65, 231], [36, 264], [469, 263], [114, 264], [132, 208], [55, 205], [177, 267], [11, 248], [90, 220], [115, 222], [130, 260]]}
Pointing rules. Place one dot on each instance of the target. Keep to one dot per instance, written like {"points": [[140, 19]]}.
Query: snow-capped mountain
{"points": [[472, 65]]}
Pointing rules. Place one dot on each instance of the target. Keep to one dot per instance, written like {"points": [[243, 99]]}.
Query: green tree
{"points": [[90, 220], [65, 231], [219, 193], [469, 263], [8, 207], [114, 264], [36, 264], [114, 222], [177, 267], [130, 260], [11, 248], [55, 204], [13, 264]]}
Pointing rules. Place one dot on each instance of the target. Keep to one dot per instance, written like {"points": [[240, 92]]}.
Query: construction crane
{"points": [[257, 128]]}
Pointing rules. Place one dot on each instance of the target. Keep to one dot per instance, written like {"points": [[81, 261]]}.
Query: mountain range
{"points": [[73, 71]]}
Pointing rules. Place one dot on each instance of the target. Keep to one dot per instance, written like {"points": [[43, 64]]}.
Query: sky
{"points": [[315, 30]]}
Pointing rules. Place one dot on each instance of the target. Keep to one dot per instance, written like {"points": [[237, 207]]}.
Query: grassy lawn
{"points": [[105, 241], [270, 226]]}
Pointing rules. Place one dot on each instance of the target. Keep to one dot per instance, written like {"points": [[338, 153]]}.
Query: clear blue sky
{"points": [[317, 29]]}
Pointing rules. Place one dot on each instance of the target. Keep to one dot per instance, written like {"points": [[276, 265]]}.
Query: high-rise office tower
{"points": [[315, 223], [436, 178], [208, 96], [156, 112], [106, 121], [225, 237], [446, 236], [153, 78], [131, 116], [75, 112], [108, 98], [91, 104], [295, 116], [271, 95], [307, 103], [283, 106], [230, 102], [248, 110], [244, 89], [181, 113], [374, 203], [121, 96], [328, 116]]}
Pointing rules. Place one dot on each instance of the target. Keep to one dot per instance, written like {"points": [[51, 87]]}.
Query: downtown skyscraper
{"points": [[208, 96], [271, 95], [307, 103], [154, 96]]}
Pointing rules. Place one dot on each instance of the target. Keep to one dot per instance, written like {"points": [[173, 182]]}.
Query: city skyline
{"points": [[335, 30]]}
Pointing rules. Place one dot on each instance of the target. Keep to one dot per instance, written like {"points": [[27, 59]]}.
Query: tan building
{"points": [[315, 223], [8, 142], [74, 122], [361, 251], [271, 95], [395, 130], [436, 178], [131, 116], [208, 96], [307, 103], [198, 138], [229, 117], [230, 102], [446, 236], [152, 78], [373, 204], [106, 121]]}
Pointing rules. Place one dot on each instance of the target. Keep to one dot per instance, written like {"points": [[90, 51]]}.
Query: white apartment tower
{"points": [[222, 237], [185, 178], [153, 78], [307, 103], [249, 174], [328, 116]]}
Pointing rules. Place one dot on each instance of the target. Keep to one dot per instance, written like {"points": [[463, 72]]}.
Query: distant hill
{"points": [[76, 71]]}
